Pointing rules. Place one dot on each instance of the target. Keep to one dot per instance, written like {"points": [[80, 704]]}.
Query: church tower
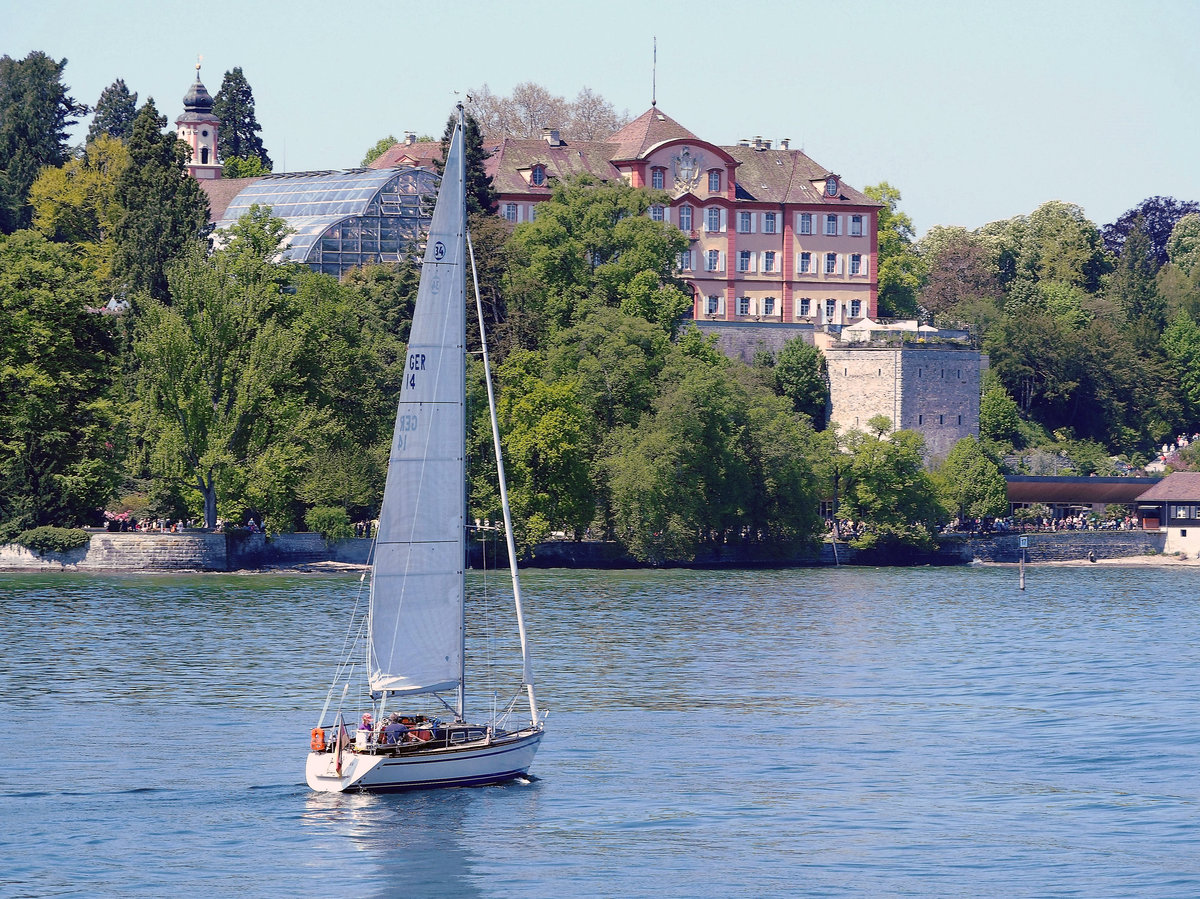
{"points": [[197, 128]]}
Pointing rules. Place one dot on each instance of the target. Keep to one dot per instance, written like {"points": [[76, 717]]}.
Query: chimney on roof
{"points": [[760, 144], [783, 144], [551, 136], [744, 142], [410, 138]]}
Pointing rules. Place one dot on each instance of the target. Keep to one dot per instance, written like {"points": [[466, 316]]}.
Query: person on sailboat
{"points": [[394, 731]]}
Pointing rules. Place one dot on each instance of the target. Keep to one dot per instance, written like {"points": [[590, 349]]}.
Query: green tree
{"points": [[1181, 341], [481, 196], [887, 493], [60, 420], [237, 167], [35, 113], [547, 450], [901, 269], [163, 211], [238, 135], [1133, 286], [380, 147], [77, 203], [114, 113], [999, 418], [959, 270], [1183, 246], [801, 376], [592, 245], [215, 368], [971, 483]]}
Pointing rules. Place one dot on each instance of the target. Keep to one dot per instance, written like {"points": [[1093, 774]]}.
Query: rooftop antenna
{"points": [[654, 75]]}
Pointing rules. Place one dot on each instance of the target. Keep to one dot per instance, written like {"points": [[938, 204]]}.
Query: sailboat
{"points": [[415, 629]]}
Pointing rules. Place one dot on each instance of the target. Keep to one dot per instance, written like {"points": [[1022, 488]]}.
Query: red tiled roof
{"points": [[1179, 486], [787, 176], [652, 127], [221, 192], [513, 158], [419, 153]]}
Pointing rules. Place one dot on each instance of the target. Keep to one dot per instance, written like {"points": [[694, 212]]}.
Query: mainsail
{"points": [[416, 619]]}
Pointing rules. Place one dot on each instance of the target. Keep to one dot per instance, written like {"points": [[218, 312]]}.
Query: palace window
{"points": [[743, 261], [856, 263], [714, 182], [768, 304], [856, 226], [806, 223], [657, 178], [855, 308], [830, 263], [538, 176], [712, 218], [685, 261], [743, 306], [510, 211], [712, 261], [831, 225], [744, 223], [830, 308], [769, 223], [714, 304], [656, 213], [805, 306], [769, 261], [685, 218], [806, 262]]}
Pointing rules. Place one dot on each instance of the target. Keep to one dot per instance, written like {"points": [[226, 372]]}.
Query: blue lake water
{"points": [[851, 732]]}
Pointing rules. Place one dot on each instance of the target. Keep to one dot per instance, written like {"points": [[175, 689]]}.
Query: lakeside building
{"points": [[1172, 506], [773, 235]]}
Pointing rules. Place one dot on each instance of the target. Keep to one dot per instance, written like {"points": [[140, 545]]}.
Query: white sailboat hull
{"points": [[496, 761]]}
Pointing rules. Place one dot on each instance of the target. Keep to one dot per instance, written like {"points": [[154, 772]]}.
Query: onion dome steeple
{"points": [[198, 99], [197, 128]]}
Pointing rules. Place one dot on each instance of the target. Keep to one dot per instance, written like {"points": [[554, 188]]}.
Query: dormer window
{"points": [[658, 178], [714, 181], [538, 176]]}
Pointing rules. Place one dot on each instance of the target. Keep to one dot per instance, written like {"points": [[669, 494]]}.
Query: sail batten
{"points": [[416, 618]]}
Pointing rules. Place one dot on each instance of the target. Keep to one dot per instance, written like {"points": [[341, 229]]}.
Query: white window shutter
{"points": [[692, 257], [666, 213], [840, 223], [721, 262], [796, 223], [837, 265], [724, 217], [721, 305], [753, 263], [520, 212], [753, 222]]}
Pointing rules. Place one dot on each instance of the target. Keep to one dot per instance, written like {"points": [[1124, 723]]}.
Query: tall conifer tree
{"points": [[238, 135], [35, 112], [164, 212], [115, 112]]}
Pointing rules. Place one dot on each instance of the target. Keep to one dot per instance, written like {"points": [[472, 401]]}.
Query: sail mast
{"points": [[526, 668], [461, 277]]}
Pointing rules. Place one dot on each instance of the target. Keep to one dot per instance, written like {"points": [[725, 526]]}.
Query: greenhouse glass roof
{"points": [[343, 219]]}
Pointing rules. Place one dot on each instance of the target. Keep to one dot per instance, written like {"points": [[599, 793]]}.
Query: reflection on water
{"points": [[821, 732]]}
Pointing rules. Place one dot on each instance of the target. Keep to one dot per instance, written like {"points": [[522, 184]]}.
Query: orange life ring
{"points": [[318, 739]]}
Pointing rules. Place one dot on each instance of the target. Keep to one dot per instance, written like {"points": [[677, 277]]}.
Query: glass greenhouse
{"points": [[345, 219]]}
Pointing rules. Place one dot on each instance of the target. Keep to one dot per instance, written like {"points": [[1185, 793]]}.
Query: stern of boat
{"points": [[321, 770]]}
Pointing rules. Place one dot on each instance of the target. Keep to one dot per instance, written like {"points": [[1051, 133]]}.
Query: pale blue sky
{"points": [[976, 111]]}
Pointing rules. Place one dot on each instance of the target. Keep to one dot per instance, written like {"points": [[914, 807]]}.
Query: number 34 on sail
{"points": [[414, 629]]}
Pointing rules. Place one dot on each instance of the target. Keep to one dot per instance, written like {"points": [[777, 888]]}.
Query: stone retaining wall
{"points": [[189, 552], [1060, 546]]}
